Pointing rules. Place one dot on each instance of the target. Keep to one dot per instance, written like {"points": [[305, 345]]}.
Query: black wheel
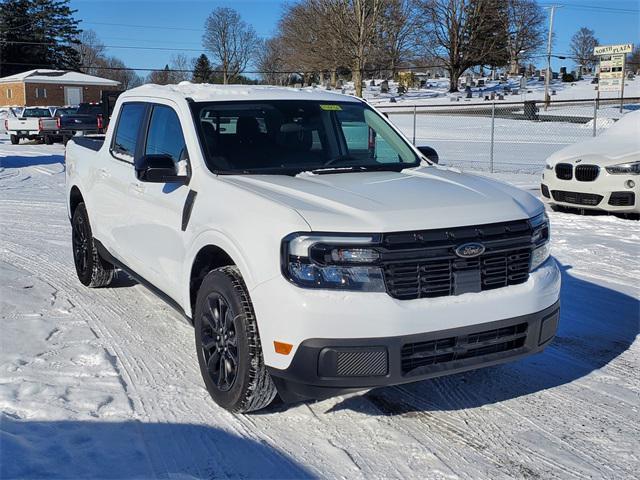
{"points": [[65, 139], [228, 344], [92, 269], [15, 140], [48, 139]]}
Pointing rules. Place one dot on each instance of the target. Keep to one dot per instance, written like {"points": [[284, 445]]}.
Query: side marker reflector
{"points": [[282, 348]]}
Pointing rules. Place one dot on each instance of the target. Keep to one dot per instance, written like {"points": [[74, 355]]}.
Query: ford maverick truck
{"points": [[315, 250]]}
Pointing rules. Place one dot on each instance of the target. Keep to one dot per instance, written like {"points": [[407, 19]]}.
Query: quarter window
{"points": [[126, 136], [165, 134]]}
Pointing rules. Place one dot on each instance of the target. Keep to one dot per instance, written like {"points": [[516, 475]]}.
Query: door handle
{"points": [[104, 173], [137, 188]]}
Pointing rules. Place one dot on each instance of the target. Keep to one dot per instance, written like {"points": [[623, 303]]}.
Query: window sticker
{"points": [[331, 108]]}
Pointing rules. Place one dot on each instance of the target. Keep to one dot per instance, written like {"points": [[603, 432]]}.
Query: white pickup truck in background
{"points": [[27, 125], [314, 248]]}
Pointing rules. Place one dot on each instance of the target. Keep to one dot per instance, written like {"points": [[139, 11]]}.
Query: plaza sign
{"points": [[613, 49], [612, 59]]}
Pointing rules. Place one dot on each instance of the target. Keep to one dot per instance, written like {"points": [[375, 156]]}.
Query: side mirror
{"points": [[158, 169], [429, 152]]}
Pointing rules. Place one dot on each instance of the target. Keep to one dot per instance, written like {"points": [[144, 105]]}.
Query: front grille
{"points": [[425, 265], [564, 171], [622, 199], [417, 355], [587, 173], [576, 198]]}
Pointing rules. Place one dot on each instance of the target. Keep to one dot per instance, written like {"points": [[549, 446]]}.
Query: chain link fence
{"points": [[503, 136]]}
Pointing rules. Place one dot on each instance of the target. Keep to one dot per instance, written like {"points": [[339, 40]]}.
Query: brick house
{"points": [[52, 88]]}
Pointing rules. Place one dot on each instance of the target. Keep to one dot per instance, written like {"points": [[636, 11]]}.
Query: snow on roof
{"points": [[202, 92], [58, 76]]}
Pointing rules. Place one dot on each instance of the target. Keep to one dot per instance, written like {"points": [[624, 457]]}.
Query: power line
{"points": [[129, 47], [575, 6]]}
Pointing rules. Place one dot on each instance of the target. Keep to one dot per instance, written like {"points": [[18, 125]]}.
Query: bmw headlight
{"points": [[540, 238], [631, 168], [343, 262]]}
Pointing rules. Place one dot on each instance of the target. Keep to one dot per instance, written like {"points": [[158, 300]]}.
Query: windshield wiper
{"points": [[381, 167]]}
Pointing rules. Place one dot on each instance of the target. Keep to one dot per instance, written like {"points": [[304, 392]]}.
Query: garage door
{"points": [[72, 95]]}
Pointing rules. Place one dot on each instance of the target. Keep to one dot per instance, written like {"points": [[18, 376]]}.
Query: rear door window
{"points": [[127, 131]]}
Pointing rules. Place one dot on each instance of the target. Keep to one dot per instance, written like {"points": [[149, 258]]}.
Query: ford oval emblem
{"points": [[470, 250]]}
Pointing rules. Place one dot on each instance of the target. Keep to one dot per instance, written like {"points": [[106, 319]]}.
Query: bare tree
{"points": [[633, 60], [271, 62], [231, 41], [307, 41], [582, 44], [181, 68], [160, 77], [525, 24], [397, 33], [114, 69], [91, 50], [463, 34], [353, 23]]}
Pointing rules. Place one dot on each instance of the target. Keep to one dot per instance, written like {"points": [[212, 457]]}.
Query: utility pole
{"points": [[547, 77]]}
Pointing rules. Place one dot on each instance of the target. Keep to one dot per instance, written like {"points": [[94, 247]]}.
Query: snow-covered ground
{"points": [[105, 383], [436, 92]]}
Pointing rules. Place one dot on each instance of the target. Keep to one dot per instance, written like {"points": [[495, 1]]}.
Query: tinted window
{"points": [[284, 136], [165, 135], [89, 109], [129, 121], [65, 111], [36, 112]]}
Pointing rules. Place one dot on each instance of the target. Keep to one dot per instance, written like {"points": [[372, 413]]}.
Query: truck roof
{"points": [[204, 92]]}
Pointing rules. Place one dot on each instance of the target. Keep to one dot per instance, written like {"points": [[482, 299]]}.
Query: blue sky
{"points": [[178, 24]]}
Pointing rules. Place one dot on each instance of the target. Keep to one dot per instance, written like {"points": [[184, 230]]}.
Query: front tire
{"points": [[228, 344], [15, 140], [93, 270]]}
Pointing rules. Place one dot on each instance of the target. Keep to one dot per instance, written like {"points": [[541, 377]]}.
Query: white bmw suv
{"points": [[602, 173], [315, 250]]}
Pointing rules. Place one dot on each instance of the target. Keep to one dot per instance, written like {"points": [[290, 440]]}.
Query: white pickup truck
{"points": [[315, 250], [27, 125]]}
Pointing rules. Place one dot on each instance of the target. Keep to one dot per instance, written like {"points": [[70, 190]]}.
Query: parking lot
{"points": [[117, 363]]}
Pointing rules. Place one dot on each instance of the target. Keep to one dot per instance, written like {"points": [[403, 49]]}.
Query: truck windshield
{"points": [[291, 136], [36, 112]]}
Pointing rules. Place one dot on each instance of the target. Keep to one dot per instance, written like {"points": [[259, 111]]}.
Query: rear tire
{"points": [[228, 344], [48, 140], [93, 270], [15, 140]]}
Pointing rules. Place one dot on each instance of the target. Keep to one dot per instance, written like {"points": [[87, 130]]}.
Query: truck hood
{"points": [[413, 199]]}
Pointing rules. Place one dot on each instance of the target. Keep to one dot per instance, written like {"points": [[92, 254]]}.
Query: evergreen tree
{"points": [[47, 33], [202, 71]]}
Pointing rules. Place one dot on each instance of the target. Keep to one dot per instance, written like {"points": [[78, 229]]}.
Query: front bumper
{"points": [[322, 368], [290, 314], [608, 192]]}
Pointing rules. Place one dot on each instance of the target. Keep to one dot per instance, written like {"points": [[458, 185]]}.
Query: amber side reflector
{"points": [[282, 348]]}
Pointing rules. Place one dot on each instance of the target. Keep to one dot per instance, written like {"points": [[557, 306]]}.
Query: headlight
{"points": [[540, 239], [631, 168], [344, 262]]}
